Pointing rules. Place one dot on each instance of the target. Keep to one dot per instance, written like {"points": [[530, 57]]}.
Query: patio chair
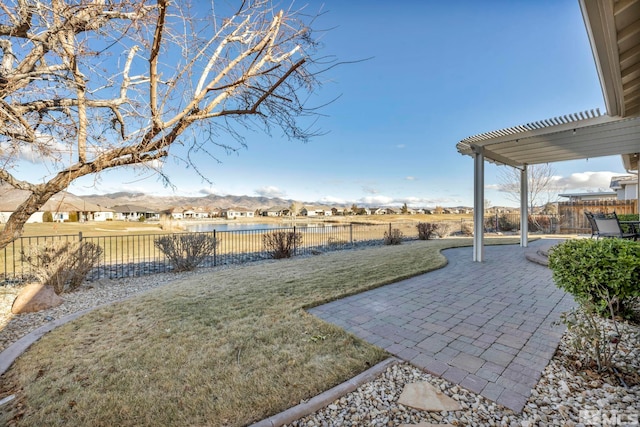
{"points": [[608, 225], [592, 223]]}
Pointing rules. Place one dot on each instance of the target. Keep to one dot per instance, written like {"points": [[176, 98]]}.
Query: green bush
{"points": [[627, 217], [47, 216], [599, 272], [73, 217]]}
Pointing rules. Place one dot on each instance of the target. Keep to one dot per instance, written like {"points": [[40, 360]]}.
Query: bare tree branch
{"points": [[90, 85]]}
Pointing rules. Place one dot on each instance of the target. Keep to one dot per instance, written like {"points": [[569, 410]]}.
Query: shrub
{"points": [[73, 217], [426, 230], [444, 229], [141, 218], [47, 217], [393, 237], [186, 251], [281, 244], [593, 343], [62, 265], [466, 228], [595, 271], [627, 217], [506, 224]]}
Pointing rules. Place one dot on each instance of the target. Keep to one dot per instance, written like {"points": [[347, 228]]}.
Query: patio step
{"points": [[540, 254]]}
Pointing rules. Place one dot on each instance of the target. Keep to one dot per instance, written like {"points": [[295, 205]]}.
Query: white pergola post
{"points": [[524, 207], [478, 204]]}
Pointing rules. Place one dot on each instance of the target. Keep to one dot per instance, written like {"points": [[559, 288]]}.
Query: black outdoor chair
{"points": [[608, 225]]}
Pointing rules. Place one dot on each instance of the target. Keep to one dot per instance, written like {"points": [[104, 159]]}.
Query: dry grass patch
{"points": [[227, 347]]}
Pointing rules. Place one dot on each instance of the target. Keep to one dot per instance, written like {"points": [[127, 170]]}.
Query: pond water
{"points": [[230, 226]]}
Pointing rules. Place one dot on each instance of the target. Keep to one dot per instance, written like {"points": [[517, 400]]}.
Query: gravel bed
{"points": [[564, 396]]}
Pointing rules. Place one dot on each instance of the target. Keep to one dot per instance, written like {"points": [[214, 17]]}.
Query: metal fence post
{"points": [[294, 241], [215, 247], [351, 233]]}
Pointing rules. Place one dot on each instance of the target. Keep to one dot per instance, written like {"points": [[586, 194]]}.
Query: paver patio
{"points": [[485, 326]]}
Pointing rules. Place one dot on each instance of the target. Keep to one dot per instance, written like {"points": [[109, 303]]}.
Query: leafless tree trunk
{"points": [[88, 85]]}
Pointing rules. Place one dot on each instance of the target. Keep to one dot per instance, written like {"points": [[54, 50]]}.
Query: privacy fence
{"points": [[137, 255], [575, 221]]}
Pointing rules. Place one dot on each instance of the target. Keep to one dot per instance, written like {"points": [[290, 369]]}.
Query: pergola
{"points": [[613, 27]]}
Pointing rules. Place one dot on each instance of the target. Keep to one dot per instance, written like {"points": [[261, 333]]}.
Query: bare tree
{"points": [[89, 85], [541, 184]]}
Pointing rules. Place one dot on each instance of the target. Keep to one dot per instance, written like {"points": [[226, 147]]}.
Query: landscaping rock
{"points": [[35, 297], [426, 397]]}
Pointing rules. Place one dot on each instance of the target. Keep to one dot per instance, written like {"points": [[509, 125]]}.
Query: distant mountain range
{"points": [[11, 198], [166, 202]]}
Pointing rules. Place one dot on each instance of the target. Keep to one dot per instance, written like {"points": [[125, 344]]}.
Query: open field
{"points": [[225, 347]]}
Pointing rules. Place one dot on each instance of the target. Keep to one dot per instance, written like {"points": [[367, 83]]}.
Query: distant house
{"points": [[625, 186], [61, 206], [195, 213], [133, 213], [232, 213], [378, 211], [276, 211], [316, 211], [174, 213]]}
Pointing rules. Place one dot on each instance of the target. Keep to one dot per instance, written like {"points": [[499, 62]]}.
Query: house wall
{"points": [[102, 216], [57, 216], [630, 192]]}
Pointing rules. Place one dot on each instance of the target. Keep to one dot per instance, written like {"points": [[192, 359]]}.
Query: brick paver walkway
{"points": [[485, 326]]}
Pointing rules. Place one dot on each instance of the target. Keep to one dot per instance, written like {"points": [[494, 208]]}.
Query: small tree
{"points": [[187, 251], [47, 217], [541, 184]]}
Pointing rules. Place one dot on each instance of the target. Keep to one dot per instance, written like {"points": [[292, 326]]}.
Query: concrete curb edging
{"points": [[11, 353], [323, 399]]}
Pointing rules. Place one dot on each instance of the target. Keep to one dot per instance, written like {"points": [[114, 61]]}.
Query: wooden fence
{"points": [[573, 220]]}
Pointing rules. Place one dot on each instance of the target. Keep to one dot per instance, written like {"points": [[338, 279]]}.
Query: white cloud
{"points": [[410, 178], [376, 200], [270, 191], [585, 181], [400, 146]]}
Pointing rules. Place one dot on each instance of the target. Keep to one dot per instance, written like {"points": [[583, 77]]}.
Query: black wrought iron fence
{"points": [[137, 255]]}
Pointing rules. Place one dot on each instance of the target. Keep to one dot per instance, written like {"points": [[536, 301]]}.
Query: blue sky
{"points": [[438, 72]]}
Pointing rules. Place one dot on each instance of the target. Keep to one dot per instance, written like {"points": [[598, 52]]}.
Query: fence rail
{"points": [[137, 255]]}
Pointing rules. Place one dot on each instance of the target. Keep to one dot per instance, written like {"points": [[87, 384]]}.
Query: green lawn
{"points": [[226, 347]]}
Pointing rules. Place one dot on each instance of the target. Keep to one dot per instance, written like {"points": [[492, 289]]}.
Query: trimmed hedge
{"points": [[591, 270]]}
